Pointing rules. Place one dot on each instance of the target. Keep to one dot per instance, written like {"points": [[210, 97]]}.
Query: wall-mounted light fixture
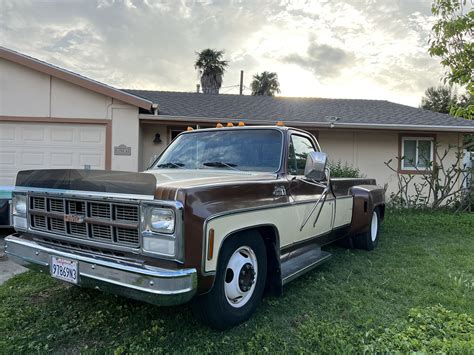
{"points": [[157, 139]]}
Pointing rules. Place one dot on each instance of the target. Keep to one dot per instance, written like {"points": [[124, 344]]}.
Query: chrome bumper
{"points": [[145, 283]]}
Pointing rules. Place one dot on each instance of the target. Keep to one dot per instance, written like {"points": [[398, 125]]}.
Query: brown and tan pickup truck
{"points": [[223, 216]]}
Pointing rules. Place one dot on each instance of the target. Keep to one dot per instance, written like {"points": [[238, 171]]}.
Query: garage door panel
{"points": [[34, 134], [26, 146], [91, 136], [62, 135], [32, 159]]}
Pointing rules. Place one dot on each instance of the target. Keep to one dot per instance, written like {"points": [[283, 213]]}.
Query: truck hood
{"points": [[151, 182], [185, 178]]}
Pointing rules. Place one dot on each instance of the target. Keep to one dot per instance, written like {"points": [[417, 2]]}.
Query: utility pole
{"points": [[241, 89]]}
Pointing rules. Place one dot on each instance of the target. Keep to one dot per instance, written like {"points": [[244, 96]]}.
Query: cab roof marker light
{"points": [[280, 124], [230, 124], [189, 128], [219, 125], [241, 124]]}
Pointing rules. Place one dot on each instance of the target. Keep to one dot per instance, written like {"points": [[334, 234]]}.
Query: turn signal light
{"points": [[210, 244], [230, 124], [241, 124], [219, 125], [280, 124]]}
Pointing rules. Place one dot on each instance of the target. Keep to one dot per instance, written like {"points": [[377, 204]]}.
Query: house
{"points": [[53, 118]]}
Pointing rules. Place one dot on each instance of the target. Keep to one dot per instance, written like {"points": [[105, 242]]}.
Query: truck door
{"points": [[304, 194]]}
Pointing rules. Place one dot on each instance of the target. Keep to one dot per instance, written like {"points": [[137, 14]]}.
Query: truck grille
{"points": [[107, 222]]}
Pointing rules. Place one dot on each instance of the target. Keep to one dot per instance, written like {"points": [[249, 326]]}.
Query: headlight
{"points": [[161, 231], [162, 220], [19, 204], [19, 209]]}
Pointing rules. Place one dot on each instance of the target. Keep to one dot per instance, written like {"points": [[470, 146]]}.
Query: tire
{"points": [[230, 302], [369, 239]]}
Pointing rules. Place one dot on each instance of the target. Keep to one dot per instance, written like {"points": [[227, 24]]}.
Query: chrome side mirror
{"points": [[315, 168]]}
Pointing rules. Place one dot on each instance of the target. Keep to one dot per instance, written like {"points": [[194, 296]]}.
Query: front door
{"points": [[312, 218]]}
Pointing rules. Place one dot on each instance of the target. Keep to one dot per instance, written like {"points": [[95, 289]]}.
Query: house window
{"points": [[417, 153]]}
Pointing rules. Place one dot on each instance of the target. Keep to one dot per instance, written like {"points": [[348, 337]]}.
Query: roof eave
{"points": [[74, 78], [337, 125]]}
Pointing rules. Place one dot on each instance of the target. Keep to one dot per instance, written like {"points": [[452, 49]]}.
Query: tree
{"points": [[438, 99], [212, 68], [265, 84], [453, 41]]}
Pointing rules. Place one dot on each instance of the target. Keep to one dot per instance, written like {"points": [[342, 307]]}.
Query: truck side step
{"points": [[302, 263]]}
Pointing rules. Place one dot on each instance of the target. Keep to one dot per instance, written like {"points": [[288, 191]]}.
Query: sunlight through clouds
{"points": [[347, 49]]}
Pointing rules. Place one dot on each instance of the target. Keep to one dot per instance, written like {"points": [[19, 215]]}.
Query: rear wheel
{"points": [[239, 283], [369, 239]]}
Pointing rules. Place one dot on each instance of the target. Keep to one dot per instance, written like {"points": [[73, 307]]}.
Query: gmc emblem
{"points": [[73, 218]]}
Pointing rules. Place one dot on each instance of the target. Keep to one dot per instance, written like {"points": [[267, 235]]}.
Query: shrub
{"points": [[344, 170]]}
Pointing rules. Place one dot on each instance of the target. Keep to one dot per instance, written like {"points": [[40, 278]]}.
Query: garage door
{"points": [[49, 146]]}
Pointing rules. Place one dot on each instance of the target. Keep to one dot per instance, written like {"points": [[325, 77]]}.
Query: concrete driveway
{"points": [[8, 268]]}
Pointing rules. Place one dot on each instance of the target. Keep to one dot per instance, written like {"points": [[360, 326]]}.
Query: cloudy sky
{"points": [[338, 49]]}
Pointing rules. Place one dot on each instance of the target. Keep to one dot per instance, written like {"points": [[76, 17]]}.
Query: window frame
{"points": [[415, 137], [290, 140]]}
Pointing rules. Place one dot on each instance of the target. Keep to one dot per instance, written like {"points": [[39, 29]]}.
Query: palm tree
{"points": [[265, 84], [212, 68]]}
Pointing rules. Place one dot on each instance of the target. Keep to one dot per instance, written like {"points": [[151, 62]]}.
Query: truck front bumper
{"points": [[141, 282]]}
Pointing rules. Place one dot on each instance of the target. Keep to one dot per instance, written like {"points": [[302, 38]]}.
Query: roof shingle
{"points": [[295, 109]]}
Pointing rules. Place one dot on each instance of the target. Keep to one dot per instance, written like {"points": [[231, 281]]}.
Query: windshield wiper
{"points": [[220, 164], [171, 165]]}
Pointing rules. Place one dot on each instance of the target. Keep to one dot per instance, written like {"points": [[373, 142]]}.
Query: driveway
{"points": [[8, 268]]}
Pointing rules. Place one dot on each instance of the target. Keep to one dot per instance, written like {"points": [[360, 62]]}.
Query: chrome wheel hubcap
{"points": [[241, 276]]}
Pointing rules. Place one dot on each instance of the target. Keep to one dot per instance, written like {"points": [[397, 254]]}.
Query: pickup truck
{"points": [[222, 217]]}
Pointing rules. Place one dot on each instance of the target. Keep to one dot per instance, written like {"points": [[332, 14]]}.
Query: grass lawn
{"points": [[414, 292]]}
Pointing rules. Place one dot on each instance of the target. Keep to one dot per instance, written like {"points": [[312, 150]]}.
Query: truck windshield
{"points": [[245, 150]]}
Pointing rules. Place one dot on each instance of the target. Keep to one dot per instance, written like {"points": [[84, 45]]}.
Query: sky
{"points": [[367, 49]]}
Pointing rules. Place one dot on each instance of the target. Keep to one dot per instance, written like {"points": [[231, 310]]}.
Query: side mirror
{"points": [[315, 168]]}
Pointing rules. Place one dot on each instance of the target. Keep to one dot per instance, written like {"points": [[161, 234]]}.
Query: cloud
{"points": [[322, 60], [313, 46]]}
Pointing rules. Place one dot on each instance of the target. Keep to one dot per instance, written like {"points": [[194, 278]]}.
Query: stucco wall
{"points": [[23, 92], [28, 93], [368, 150], [148, 148]]}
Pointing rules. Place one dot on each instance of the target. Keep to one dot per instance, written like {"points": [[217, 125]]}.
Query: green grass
{"points": [[415, 292]]}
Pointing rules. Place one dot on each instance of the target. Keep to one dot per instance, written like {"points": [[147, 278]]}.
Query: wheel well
{"points": [[270, 236], [381, 209]]}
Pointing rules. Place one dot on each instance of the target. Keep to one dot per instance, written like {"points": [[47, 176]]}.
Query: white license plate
{"points": [[64, 269]]}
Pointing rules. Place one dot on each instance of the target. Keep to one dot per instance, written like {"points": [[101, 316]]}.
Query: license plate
{"points": [[64, 269]]}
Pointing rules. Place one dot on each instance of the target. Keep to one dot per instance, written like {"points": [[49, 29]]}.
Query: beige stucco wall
{"points": [[23, 92], [28, 93], [148, 148], [368, 150]]}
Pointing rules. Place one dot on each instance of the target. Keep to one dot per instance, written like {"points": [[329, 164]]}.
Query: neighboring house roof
{"points": [[74, 78], [317, 112]]}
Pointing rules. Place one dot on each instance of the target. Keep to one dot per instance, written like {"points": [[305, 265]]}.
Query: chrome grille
{"points": [[56, 205], [106, 222], [126, 213], [100, 210], [126, 236], [38, 203], [39, 222]]}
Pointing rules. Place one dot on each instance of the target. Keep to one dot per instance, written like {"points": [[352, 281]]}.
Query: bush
{"points": [[344, 170]]}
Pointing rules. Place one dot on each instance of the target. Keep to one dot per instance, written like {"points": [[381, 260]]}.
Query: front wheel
{"points": [[239, 283], [369, 239]]}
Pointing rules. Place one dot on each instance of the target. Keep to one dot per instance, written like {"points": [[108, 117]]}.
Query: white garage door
{"points": [[49, 146]]}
